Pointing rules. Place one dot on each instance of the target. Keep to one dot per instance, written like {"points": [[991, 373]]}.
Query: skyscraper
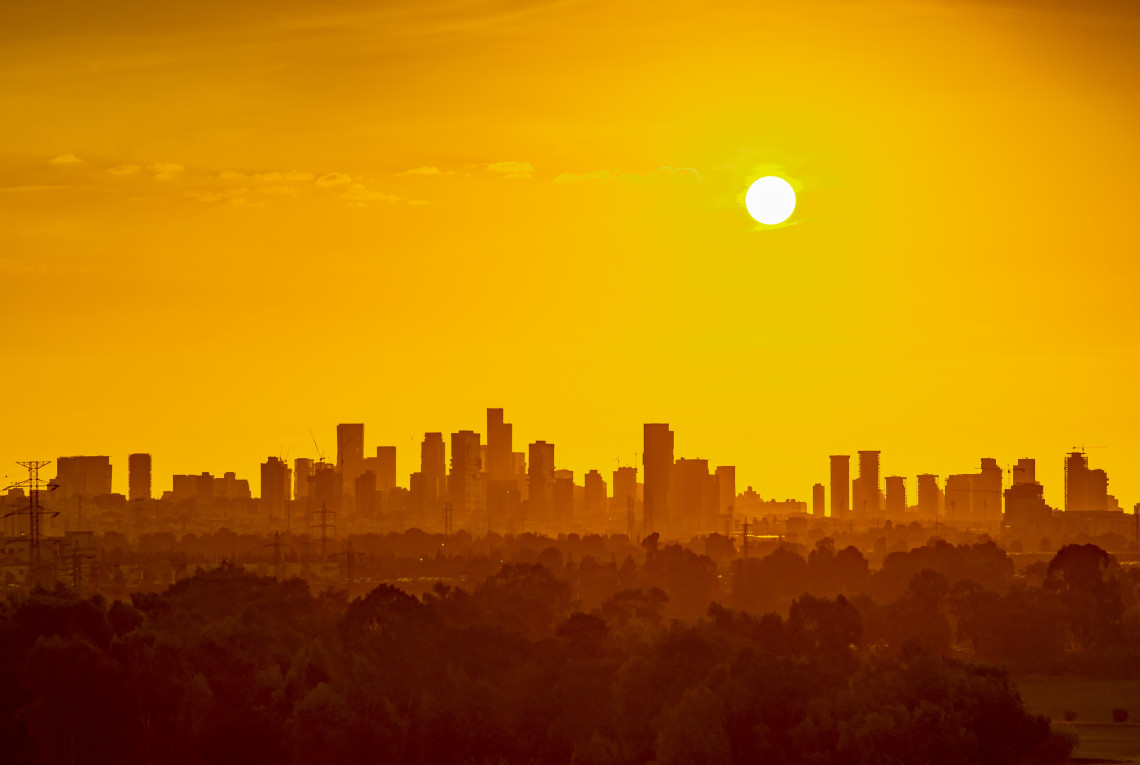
{"points": [[657, 458], [499, 437], [867, 504], [465, 482], [350, 453], [726, 489], [929, 496], [594, 502], [840, 485], [302, 477], [540, 484], [138, 473], [624, 494], [433, 468], [274, 487], [817, 500], [82, 476], [895, 505], [688, 489]]}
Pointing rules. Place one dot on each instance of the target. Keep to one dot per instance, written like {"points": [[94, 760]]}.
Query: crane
{"points": [[320, 454]]}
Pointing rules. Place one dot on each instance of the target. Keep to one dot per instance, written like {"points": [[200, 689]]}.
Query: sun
{"points": [[770, 200]]}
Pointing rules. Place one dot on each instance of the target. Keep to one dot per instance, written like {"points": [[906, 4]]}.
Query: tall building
{"points": [[1085, 489], [1025, 471], [365, 496], [433, 468], [595, 503], [384, 466], [929, 497], [350, 453], [840, 485], [1025, 508], [975, 497], [275, 476], [895, 505], [688, 489], [817, 501], [465, 482], [499, 448], [657, 459], [624, 499], [563, 501], [726, 489], [302, 477], [866, 489], [138, 474], [540, 486], [82, 476]]}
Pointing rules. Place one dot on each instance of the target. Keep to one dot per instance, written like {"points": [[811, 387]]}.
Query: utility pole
{"points": [[324, 526], [35, 511]]}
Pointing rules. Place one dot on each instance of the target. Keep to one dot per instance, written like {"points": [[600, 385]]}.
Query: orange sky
{"points": [[222, 223]]}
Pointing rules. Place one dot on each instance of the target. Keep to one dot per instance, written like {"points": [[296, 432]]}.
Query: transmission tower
{"points": [[324, 526], [34, 510], [277, 545]]}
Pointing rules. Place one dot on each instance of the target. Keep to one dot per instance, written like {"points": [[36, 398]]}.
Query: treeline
{"points": [[227, 666]]}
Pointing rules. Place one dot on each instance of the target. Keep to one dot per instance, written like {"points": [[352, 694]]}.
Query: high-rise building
{"points": [[275, 476], [563, 501], [350, 453], [817, 500], [866, 489], [540, 486], [974, 497], [689, 491], [1025, 508], [594, 505], [433, 467], [384, 466], [895, 505], [840, 485], [929, 497], [1085, 489], [624, 499], [726, 489], [302, 477], [82, 476], [138, 474], [465, 482], [657, 458], [499, 437], [327, 488], [1025, 471], [365, 496]]}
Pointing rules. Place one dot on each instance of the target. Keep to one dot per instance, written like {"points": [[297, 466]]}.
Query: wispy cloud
{"points": [[334, 179], [66, 159], [426, 171], [358, 192], [167, 171], [512, 169], [292, 176], [665, 172], [124, 170]]}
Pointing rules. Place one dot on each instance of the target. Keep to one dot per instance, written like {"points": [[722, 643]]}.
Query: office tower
{"points": [[895, 505], [274, 487], [1076, 482], [499, 437], [726, 489], [594, 502], [866, 488], [327, 488], [563, 501], [194, 488], [928, 497], [1025, 471], [465, 482], [973, 497], [433, 466], [688, 489], [82, 476], [302, 477], [540, 485], [840, 485], [384, 466], [624, 495], [365, 496], [350, 453], [138, 476], [817, 506], [657, 459], [230, 487]]}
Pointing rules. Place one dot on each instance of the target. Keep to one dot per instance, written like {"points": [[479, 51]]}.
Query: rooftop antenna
{"points": [[34, 510]]}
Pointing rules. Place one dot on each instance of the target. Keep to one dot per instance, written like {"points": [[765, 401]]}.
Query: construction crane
{"points": [[320, 454]]}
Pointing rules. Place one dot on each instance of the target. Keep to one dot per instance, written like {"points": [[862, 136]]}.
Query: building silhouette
{"points": [[138, 477], [1025, 508], [817, 500], [929, 497], [465, 481], [595, 506], [302, 477], [657, 459], [865, 488], [975, 497], [82, 476], [275, 487], [895, 502], [540, 483], [349, 453], [840, 486]]}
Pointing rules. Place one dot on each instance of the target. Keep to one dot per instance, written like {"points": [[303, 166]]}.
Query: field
{"points": [[1099, 739]]}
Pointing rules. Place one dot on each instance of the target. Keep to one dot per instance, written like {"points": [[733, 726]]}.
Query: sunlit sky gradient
{"points": [[222, 223]]}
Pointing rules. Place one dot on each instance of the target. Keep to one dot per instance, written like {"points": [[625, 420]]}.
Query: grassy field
{"points": [[1098, 738]]}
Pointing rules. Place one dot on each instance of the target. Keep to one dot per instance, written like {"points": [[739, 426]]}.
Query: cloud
{"points": [[359, 193], [66, 159], [124, 170], [166, 171], [679, 172], [511, 169], [425, 171], [595, 175], [272, 177], [278, 191], [334, 179]]}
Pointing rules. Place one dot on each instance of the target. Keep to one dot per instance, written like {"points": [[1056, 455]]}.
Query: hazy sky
{"points": [[223, 223]]}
